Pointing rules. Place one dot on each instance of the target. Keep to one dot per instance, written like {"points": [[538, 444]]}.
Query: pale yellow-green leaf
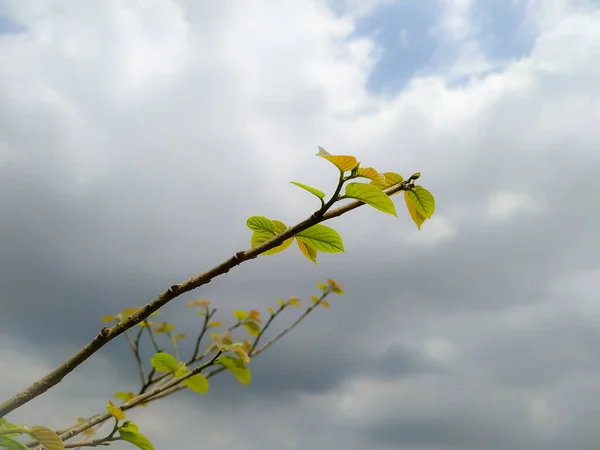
{"points": [[370, 173], [131, 434], [163, 362], [310, 189], [240, 315], [260, 236], [199, 302], [114, 411], [343, 162], [389, 179], [372, 196], [197, 383], [295, 302], [307, 251], [422, 200], [48, 438], [252, 327], [322, 238], [178, 337], [325, 304], [236, 367], [106, 319]]}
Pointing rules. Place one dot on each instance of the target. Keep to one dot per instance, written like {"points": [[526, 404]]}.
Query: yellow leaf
{"points": [[178, 337], [243, 355], [247, 345], [314, 299], [271, 311], [389, 179], [335, 288], [125, 396], [114, 411], [280, 302], [129, 311], [322, 286], [307, 250], [48, 438], [214, 324], [416, 216], [372, 174], [146, 323], [106, 319], [155, 313], [294, 302], [422, 200], [255, 314], [342, 162], [165, 327], [325, 304], [200, 302], [252, 328]]}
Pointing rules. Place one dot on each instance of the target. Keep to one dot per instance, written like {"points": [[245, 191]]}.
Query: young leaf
{"points": [[129, 432], [307, 251], [325, 304], [322, 286], [294, 302], [129, 311], [372, 196], [11, 444], [271, 311], [260, 236], [48, 438], [415, 215], [199, 302], [178, 337], [197, 383], [240, 315], [342, 162], [236, 367], [165, 327], [214, 324], [370, 173], [106, 319], [310, 189], [114, 411], [260, 223], [422, 200], [322, 238], [125, 396], [389, 179], [314, 299], [4, 425], [163, 362], [255, 315], [252, 328]]}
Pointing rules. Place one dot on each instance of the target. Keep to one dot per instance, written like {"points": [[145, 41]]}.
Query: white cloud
{"points": [[503, 205]]}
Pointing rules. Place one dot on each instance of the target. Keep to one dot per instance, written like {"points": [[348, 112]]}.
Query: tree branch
{"points": [[108, 334]]}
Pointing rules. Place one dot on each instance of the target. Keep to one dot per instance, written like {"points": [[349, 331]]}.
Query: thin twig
{"points": [[108, 334]]}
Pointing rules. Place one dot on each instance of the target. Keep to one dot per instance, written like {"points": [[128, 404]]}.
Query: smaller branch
{"points": [[207, 318], [156, 347], [257, 352], [136, 353]]}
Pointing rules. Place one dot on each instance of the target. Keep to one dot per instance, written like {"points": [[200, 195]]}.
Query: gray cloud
{"points": [[113, 187]]}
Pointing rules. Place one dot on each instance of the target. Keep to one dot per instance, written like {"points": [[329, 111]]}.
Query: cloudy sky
{"points": [[136, 137]]}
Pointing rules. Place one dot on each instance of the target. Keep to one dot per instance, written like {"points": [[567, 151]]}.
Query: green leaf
{"points": [[252, 328], [197, 383], [11, 444], [258, 237], [372, 196], [322, 238], [5, 425], [310, 189], [48, 438], [236, 367], [240, 315], [260, 223], [422, 200], [343, 162], [163, 362], [129, 432], [307, 251]]}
